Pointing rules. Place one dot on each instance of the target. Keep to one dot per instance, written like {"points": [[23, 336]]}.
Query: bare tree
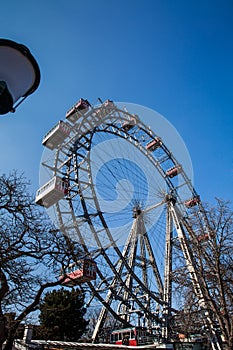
{"points": [[110, 324], [212, 251], [32, 253]]}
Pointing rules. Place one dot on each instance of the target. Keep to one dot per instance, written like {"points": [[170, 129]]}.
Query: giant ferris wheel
{"points": [[115, 189]]}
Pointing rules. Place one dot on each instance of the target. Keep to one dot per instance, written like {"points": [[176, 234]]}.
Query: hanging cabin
{"points": [[56, 135], [154, 144], [77, 110], [203, 237], [50, 193], [109, 103], [174, 171], [129, 124], [79, 272], [192, 202]]}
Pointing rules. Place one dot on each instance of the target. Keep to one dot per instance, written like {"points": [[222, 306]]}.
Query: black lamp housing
{"points": [[19, 74]]}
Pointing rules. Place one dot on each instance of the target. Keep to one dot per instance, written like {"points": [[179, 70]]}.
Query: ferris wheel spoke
{"points": [[153, 207]]}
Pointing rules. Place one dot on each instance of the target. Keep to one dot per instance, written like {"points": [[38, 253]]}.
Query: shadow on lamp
{"points": [[19, 75]]}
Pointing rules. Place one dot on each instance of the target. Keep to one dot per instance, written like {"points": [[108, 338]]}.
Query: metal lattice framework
{"points": [[127, 207]]}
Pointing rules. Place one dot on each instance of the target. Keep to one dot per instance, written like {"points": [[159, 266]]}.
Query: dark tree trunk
{"points": [[9, 344], [3, 332]]}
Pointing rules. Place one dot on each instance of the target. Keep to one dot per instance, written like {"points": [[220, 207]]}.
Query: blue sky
{"points": [[172, 56]]}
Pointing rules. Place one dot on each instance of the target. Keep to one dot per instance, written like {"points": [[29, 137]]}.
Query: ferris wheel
{"points": [[114, 188]]}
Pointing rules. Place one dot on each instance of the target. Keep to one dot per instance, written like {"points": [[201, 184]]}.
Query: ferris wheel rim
{"points": [[126, 135], [108, 121]]}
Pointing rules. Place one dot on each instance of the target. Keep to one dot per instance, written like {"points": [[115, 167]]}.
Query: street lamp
{"points": [[19, 75]]}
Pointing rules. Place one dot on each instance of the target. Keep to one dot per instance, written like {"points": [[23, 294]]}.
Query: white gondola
{"points": [[51, 192], [77, 110], [56, 135]]}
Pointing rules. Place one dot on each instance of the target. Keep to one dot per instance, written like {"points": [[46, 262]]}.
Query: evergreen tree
{"points": [[62, 315]]}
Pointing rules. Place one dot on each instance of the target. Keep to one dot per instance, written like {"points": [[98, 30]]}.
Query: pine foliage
{"points": [[62, 315]]}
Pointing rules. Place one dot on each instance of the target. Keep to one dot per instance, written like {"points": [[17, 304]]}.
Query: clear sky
{"points": [[173, 56]]}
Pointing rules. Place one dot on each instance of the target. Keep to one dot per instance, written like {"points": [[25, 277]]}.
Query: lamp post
{"points": [[19, 75]]}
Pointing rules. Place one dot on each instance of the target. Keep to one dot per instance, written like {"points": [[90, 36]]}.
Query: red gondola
{"points": [[203, 238], [192, 202], [79, 272], [173, 171], [154, 144]]}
